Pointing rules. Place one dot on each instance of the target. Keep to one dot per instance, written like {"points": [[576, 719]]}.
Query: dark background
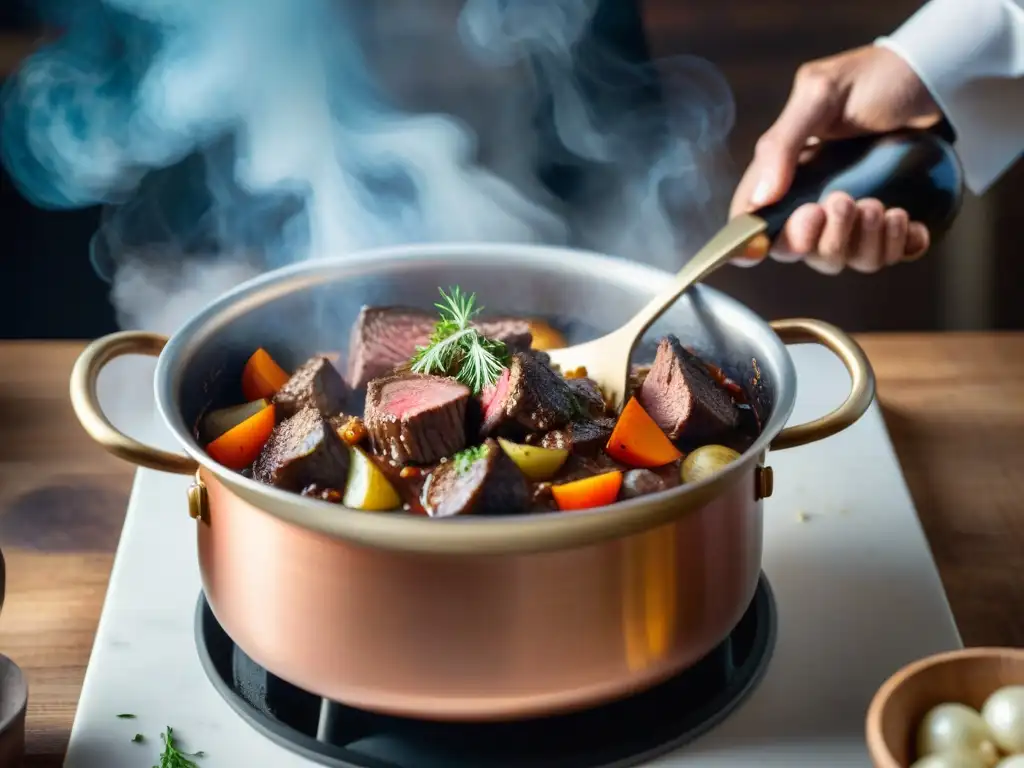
{"points": [[48, 288]]}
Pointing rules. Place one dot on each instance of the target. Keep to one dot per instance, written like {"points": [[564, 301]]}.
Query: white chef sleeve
{"points": [[970, 55]]}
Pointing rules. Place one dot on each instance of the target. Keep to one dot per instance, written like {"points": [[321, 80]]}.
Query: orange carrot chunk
{"points": [[239, 446], [638, 441], [597, 491], [262, 377]]}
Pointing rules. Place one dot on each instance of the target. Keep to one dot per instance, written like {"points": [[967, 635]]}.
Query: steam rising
{"points": [[231, 136]]}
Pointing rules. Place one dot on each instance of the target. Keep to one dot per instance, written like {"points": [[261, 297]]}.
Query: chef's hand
{"points": [[866, 90]]}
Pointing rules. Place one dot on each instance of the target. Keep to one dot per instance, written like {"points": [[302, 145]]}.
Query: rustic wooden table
{"points": [[954, 405]]}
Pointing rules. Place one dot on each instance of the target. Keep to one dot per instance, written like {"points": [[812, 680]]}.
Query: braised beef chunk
{"points": [[513, 331], [528, 396], [585, 436], [577, 467], [382, 338], [303, 451], [315, 384], [683, 398], [481, 480], [588, 396], [540, 354], [538, 398], [640, 482], [386, 337], [416, 419], [489, 408]]}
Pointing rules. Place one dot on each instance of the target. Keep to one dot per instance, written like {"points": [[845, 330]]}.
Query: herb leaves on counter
{"points": [[459, 350], [172, 757]]}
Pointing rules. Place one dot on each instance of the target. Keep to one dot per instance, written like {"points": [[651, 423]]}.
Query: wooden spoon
{"points": [[914, 170]]}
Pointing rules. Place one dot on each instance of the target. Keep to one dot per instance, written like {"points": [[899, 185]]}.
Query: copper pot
{"points": [[476, 618]]}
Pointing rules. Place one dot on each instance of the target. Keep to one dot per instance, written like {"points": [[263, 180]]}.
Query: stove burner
{"points": [[620, 734]]}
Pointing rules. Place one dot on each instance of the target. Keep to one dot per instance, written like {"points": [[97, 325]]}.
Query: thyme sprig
{"points": [[457, 349]]}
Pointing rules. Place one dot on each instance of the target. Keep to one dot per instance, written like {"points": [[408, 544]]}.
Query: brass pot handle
{"points": [[89, 412], [862, 380]]}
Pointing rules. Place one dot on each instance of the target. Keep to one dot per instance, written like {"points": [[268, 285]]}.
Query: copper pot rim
{"points": [[464, 535]]}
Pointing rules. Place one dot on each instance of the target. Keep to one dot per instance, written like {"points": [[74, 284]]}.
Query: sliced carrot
{"points": [[239, 446], [638, 441], [262, 377], [597, 491]]}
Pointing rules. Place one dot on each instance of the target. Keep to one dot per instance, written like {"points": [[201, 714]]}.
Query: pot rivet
{"points": [[198, 506], [764, 483]]}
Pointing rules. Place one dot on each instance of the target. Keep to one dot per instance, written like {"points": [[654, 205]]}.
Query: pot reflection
{"points": [[649, 596]]}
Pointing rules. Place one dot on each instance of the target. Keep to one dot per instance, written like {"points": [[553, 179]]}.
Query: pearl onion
{"points": [[1004, 714], [952, 760], [955, 727]]}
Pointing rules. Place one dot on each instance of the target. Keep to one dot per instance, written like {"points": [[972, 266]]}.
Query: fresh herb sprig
{"points": [[458, 349], [172, 757]]}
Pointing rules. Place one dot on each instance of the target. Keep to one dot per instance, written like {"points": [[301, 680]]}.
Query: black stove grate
{"points": [[625, 733]]}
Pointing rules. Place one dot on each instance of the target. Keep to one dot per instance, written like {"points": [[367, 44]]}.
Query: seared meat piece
{"points": [[303, 450], [491, 402], [683, 398], [640, 482], [540, 354], [588, 396], [479, 480], [528, 396], [315, 384], [513, 331], [577, 467], [584, 436], [386, 337], [416, 419], [383, 338]]}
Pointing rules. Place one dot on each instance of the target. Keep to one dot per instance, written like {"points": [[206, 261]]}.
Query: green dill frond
{"points": [[456, 307], [457, 349]]}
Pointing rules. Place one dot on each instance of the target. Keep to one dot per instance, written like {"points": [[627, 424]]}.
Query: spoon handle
{"points": [[916, 170], [716, 252]]}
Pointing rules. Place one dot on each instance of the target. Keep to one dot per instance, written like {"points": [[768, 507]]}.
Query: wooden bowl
{"points": [[967, 676]]}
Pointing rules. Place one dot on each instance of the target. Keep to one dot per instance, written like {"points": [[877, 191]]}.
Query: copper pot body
{"points": [[480, 617], [479, 637]]}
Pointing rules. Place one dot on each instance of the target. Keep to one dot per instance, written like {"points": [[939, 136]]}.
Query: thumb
{"points": [[808, 112]]}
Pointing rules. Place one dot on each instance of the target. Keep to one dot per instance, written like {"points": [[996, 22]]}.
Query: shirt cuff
{"points": [[970, 57]]}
